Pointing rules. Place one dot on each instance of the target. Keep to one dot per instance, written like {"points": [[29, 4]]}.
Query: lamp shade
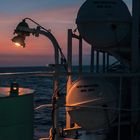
{"points": [[19, 29], [19, 40]]}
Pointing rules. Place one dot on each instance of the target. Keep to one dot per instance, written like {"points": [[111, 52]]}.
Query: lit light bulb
{"points": [[17, 44]]}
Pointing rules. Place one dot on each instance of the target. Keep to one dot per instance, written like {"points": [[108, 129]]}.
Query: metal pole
{"points": [[119, 113], [104, 62], [97, 61], [69, 82], [135, 36], [92, 60], [80, 55], [107, 61], [135, 65], [56, 46], [69, 56], [55, 110]]}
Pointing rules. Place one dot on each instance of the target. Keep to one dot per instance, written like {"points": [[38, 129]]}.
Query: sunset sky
{"points": [[57, 15]]}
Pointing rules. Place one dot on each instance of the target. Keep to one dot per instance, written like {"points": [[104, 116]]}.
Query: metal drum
{"points": [[16, 114]]}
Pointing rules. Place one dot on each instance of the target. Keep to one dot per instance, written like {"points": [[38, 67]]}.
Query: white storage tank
{"points": [[16, 114], [105, 23], [88, 97]]}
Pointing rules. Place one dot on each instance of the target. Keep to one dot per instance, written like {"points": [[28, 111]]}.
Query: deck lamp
{"points": [[22, 31], [14, 89]]}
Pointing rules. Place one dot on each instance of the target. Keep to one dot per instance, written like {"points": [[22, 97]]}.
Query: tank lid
{"points": [[5, 91]]}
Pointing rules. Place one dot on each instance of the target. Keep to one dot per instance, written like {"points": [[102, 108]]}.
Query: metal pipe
{"points": [[55, 112], [80, 55], [69, 82]]}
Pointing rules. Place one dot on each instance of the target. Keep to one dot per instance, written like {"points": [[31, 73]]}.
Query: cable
{"points": [[36, 23]]}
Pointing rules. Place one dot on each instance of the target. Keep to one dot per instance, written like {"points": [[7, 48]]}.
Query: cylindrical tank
{"points": [[88, 97], [16, 114], [104, 23]]}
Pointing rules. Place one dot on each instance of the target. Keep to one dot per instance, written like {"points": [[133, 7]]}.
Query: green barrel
{"points": [[16, 115]]}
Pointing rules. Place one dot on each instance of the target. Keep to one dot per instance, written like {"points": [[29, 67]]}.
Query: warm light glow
{"points": [[14, 88], [18, 45]]}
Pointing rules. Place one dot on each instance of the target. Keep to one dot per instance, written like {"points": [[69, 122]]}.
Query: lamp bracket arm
{"points": [[51, 37], [54, 41]]}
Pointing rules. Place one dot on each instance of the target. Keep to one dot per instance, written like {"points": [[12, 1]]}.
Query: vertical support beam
{"points": [[119, 113], [80, 54], [55, 109], [135, 65], [55, 94], [92, 60], [104, 62], [135, 36], [97, 61], [69, 57], [107, 61], [69, 82]]}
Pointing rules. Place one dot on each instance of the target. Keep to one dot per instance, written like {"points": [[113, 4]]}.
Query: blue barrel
{"points": [[16, 114]]}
